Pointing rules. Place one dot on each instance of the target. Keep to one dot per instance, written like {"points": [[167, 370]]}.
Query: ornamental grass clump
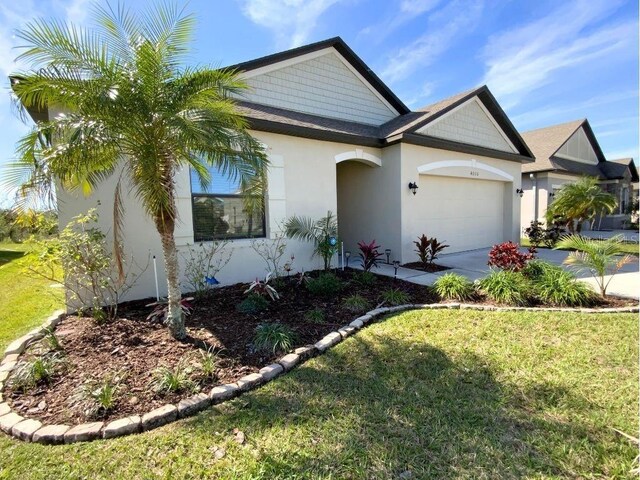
{"points": [[395, 297], [452, 286], [273, 338], [96, 398], [173, 380], [506, 287], [560, 288], [41, 370], [315, 316], [356, 303], [363, 279]]}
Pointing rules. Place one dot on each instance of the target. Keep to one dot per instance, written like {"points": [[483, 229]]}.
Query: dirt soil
{"points": [[133, 346]]}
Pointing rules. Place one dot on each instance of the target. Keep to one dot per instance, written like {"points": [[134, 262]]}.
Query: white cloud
{"points": [[444, 27], [423, 95], [631, 152], [291, 21], [525, 58], [407, 11], [572, 111]]}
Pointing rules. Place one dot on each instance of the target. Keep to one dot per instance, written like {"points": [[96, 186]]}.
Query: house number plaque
{"points": [[474, 173]]}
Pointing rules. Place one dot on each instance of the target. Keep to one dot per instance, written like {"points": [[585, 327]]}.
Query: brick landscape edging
{"points": [[31, 430]]}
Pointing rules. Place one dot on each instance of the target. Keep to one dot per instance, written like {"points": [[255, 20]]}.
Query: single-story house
{"points": [[338, 139], [564, 153]]}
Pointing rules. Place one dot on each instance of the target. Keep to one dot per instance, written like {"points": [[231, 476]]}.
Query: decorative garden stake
{"points": [[387, 252], [347, 254], [396, 264]]}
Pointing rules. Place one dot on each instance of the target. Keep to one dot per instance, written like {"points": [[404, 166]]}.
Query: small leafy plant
{"points": [[535, 269], [364, 279], [263, 289], [322, 232], [315, 316], [506, 287], [507, 256], [271, 252], [203, 263], [428, 250], [325, 285], [395, 297], [32, 373], [208, 363], [95, 398], [356, 303], [161, 309], [539, 235], [273, 338], [452, 286], [369, 255], [52, 340], [253, 304], [173, 380]]}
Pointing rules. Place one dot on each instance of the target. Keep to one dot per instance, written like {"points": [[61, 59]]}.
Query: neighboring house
{"points": [[338, 139], [563, 154]]}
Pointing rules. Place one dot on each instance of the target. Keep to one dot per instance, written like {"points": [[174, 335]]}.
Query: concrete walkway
{"points": [[473, 265]]}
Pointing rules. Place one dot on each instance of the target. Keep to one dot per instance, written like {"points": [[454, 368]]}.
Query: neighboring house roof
{"points": [[624, 163], [546, 142]]}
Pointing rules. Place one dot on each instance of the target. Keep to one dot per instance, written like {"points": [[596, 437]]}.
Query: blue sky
{"points": [[546, 61]]}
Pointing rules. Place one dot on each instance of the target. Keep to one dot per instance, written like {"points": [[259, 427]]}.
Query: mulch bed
{"points": [[430, 268], [136, 347]]}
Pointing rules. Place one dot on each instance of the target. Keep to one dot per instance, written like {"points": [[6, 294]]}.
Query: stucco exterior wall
{"points": [[322, 85], [414, 157], [369, 203]]}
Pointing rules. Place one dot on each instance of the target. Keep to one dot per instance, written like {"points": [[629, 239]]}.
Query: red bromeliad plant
{"points": [[507, 256], [369, 255]]}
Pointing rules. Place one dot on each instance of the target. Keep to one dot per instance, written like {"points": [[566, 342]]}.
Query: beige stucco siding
{"points": [[322, 85], [369, 202], [419, 217]]}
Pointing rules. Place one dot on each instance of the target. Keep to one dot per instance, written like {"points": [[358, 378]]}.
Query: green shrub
{"points": [[356, 303], [559, 287], [273, 337], [325, 285], [52, 340], [254, 303], [173, 380], [452, 286], [364, 279], [507, 287], [30, 374], [394, 297], [97, 397], [537, 268], [314, 316]]}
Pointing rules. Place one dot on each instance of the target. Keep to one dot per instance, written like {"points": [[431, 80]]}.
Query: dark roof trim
{"points": [[592, 139], [345, 51], [313, 133], [426, 141], [499, 115]]}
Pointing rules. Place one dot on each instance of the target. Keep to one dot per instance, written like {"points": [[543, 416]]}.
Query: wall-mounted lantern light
{"points": [[413, 186], [520, 192], [387, 252]]}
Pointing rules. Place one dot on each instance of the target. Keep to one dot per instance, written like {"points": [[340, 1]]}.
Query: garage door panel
{"points": [[463, 213]]}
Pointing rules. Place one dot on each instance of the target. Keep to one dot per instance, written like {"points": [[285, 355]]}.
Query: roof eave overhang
{"points": [[312, 133], [433, 142]]}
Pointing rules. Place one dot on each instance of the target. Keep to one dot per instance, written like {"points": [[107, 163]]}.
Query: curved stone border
{"points": [[31, 430]]}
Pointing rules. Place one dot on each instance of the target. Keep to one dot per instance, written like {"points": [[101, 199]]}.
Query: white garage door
{"points": [[463, 213]]}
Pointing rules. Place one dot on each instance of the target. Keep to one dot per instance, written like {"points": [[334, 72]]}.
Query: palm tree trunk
{"points": [[175, 318]]}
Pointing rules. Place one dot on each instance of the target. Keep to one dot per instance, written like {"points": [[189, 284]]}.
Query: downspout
{"points": [[534, 180]]}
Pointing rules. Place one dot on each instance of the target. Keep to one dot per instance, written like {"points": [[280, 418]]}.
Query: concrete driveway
{"points": [[473, 265]]}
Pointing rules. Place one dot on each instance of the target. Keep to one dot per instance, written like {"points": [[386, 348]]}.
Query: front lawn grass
{"points": [[628, 247], [440, 394], [25, 302]]}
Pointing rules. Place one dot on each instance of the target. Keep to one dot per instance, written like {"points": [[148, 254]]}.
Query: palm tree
{"points": [[578, 202], [322, 232], [599, 257], [132, 110]]}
